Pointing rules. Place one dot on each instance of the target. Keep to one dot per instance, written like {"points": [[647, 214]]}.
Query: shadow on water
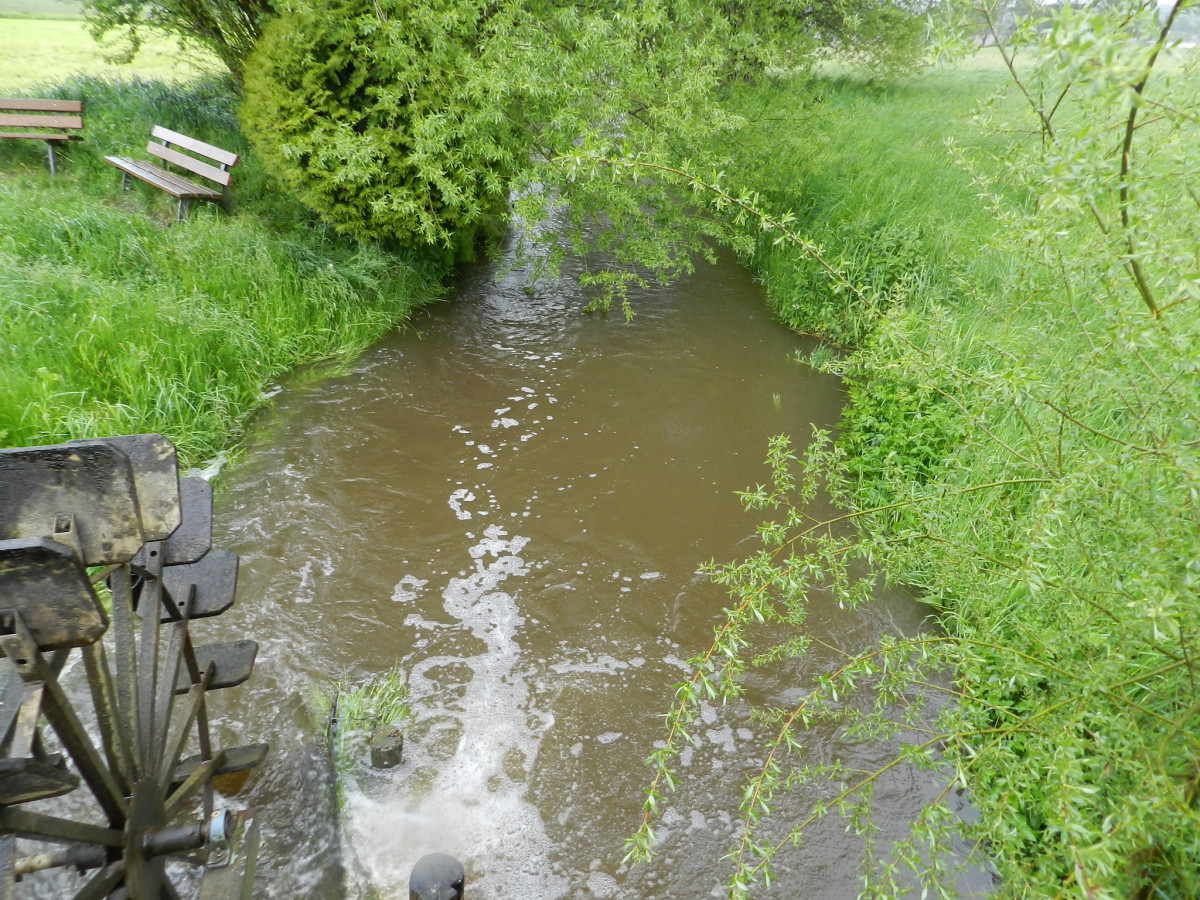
{"points": [[511, 500]]}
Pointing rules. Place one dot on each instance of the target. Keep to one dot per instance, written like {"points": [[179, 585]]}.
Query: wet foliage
{"points": [[1021, 449]]}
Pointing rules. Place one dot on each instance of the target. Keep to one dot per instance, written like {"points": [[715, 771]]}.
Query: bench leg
{"points": [[183, 205], [50, 154], [124, 182]]}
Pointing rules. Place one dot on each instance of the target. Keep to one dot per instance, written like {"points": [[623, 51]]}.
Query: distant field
{"points": [[37, 51], [41, 9]]}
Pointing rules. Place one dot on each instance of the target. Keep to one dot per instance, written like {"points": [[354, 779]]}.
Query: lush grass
{"points": [[864, 167], [1026, 433], [120, 321], [868, 170]]}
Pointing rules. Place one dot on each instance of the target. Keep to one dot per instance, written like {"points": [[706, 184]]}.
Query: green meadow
{"points": [[41, 9], [35, 50]]}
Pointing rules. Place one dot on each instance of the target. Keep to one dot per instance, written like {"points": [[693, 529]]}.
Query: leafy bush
{"points": [[414, 121], [391, 118]]}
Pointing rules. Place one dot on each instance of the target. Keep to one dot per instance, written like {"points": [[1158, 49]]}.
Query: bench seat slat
{"points": [[32, 136], [196, 166], [209, 163], [190, 143], [25, 121], [67, 106], [175, 185]]}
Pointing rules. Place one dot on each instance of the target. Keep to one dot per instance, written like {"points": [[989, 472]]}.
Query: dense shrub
{"points": [[414, 120], [388, 118]]}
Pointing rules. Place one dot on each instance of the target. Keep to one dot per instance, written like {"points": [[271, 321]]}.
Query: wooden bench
{"points": [[52, 121], [205, 160]]}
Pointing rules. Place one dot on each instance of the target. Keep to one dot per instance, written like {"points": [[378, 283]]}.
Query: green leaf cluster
{"points": [[389, 118], [1028, 458], [416, 121]]}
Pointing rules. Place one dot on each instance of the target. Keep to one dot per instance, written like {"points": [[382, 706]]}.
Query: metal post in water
{"points": [[436, 876]]}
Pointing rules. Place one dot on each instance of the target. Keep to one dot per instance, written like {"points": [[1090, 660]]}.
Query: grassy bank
{"points": [[1020, 447], [864, 167], [117, 320]]}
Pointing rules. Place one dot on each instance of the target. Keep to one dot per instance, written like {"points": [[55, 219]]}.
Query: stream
{"points": [[509, 500]]}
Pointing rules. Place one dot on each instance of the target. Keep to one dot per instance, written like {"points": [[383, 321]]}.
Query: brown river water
{"points": [[510, 500]]}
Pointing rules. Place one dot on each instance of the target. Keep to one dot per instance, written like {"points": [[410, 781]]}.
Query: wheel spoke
{"points": [[102, 883], [199, 778], [191, 708], [120, 584], [164, 703], [148, 673], [46, 827], [61, 715], [114, 738]]}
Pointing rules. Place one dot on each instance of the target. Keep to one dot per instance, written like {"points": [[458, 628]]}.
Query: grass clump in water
{"points": [[349, 714]]}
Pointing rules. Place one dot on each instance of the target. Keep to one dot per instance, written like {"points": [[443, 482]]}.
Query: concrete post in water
{"points": [[387, 747], [436, 876]]}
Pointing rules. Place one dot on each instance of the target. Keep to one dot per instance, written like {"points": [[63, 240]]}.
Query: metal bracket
{"points": [[229, 874]]}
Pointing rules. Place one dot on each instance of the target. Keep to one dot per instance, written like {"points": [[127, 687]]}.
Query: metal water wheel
{"points": [[105, 553]]}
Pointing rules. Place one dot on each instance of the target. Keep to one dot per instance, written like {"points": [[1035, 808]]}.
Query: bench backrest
{"points": [[167, 145], [57, 114]]}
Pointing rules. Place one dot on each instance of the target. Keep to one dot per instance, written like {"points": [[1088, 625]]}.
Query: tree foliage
{"points": [[414, 120], [229, 29], [1055, 532]]}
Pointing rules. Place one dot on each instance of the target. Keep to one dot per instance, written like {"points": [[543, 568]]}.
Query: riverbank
{"points": [[1019, 447], [118, 324]]}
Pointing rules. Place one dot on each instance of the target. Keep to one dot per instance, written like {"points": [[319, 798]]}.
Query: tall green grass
{"points": [[864, 168], [1019, 447], [869, 170], [116, 319]]}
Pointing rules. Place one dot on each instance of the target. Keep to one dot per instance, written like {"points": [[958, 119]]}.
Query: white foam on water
{"points": [[461, 789], [306, 590], [457, 499], [408, 588]]}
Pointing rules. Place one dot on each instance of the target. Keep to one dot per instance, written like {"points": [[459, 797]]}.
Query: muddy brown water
{"points": [[510, 500]]}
